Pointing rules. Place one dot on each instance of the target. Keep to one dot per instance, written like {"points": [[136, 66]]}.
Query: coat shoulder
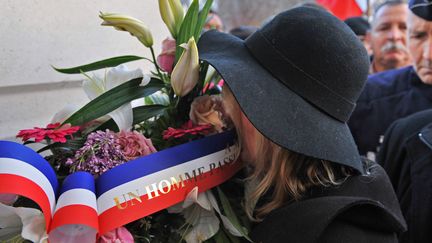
{"points": [[387, 83]]}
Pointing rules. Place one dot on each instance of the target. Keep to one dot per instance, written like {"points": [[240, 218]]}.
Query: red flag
{"points": [[342, 9]]}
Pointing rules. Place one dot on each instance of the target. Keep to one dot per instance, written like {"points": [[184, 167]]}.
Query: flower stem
{"points": [[155, 63]]}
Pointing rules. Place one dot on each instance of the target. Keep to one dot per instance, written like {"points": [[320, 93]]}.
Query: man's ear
{"points": [[368, 37]]}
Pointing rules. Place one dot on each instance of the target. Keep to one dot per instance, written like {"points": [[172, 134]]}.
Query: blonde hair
{"points": [[287, 175]]}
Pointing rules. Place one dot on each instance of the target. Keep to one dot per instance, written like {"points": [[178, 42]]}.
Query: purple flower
{"points": [[100, 152]]}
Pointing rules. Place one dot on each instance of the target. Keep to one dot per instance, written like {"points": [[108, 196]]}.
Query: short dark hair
{"points": [[359, 25], [379, 5]]}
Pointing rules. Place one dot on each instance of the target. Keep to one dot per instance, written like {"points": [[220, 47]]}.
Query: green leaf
{"points": [[230, 214], [202, 17], [143, 113], [110, 62], [219, 237], [187, 28], [140, 114], [70, 145], [113, 99]]}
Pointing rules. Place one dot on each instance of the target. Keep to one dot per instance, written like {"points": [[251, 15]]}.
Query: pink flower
{"points": [[165, 60], [207, 110], [53, 131], [134, 144], [119, 235], [8, 199]]}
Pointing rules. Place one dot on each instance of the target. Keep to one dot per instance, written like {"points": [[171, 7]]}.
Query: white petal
{"points": [[31, 220], [8, 217], [204, 202], [123, 117], [206, 226], [146, 79], [120, 74], [226, 222], [93, 87], [33, 225], [64, 113], [191, 197]]}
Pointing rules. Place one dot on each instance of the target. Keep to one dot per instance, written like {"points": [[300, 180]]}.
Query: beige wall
{"points": [[38, 33]]}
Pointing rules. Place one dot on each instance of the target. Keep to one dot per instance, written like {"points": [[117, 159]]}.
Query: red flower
{"points": [[53, 131], [187, 128]]}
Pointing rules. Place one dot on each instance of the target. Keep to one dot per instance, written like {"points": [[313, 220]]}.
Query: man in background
{"points": [[360, 26], [394, 94], [388, 36]]}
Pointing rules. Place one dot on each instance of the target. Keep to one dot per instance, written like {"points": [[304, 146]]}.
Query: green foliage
{"points": [[110, 62], [113, 99], [192, 25]]}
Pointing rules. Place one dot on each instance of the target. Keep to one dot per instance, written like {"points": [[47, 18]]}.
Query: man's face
{"points": [[420, 46], [388, 37]]}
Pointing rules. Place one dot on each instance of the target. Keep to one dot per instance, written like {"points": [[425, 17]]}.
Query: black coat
{"points": [[406, 155], [387, 96], [362, 209]]}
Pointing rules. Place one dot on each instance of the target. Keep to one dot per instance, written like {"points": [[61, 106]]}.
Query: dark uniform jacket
{"points": [[406, 155], [387, 97], [362, 209]]}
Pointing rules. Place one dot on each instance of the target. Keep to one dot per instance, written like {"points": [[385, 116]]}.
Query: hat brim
{"points": [[277, 112]]}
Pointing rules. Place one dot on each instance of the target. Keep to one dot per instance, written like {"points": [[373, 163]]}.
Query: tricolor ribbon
{"points": [[85, 207]]}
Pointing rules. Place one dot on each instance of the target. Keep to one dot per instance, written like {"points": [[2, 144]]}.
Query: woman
{"points": [[291, 87]]}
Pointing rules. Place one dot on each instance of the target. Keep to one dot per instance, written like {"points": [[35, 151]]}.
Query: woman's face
{"points": [[246, 131]]}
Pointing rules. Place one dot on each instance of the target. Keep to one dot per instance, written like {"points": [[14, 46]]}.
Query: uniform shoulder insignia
{"points": [[425, 135]]}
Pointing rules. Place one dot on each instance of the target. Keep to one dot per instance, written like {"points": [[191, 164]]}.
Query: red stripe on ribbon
{"points": [[75, 214], [22, 186], [115, 217]]}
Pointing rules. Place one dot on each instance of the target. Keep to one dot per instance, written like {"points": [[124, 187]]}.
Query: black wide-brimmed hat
{"points": [[297, 80]]}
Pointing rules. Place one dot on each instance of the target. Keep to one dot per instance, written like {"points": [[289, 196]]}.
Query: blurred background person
{"points": [[406, 156], [387, 36], [243, 31], [360, 26], [397, 93]]}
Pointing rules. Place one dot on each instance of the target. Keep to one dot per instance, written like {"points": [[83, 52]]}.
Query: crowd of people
{"points": [[335, 120]]}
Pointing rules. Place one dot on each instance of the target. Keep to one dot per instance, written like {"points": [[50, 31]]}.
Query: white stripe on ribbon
{"points": [[106, 200], [23, 169], [77, 196]]}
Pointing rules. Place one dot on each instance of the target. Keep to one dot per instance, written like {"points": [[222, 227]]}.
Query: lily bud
{"points": [[126, 23], [185, 75], [172, 14]]}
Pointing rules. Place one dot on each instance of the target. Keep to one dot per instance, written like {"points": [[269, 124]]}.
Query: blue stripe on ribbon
{"points": [[20, 152], [162, 160], [78, 180]]}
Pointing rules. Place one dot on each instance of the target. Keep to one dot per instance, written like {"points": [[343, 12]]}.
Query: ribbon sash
{"points": [[123, 194]]}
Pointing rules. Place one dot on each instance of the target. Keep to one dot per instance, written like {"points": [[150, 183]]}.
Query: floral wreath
{"points": [[132, 118]]}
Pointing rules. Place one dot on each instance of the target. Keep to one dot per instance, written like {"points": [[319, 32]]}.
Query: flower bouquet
{"points": [[149, 159]]}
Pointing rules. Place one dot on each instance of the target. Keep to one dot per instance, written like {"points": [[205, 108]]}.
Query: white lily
{"points": [[132, 25], [29, 222], [199, 211], [172, 14], [96, 86], [64, 113], [185, 74]]}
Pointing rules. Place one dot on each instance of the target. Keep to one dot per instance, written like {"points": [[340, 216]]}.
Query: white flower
{"points": [[132, 25], [185, 74], [96, 86], [28, 222], [199, 211]]}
